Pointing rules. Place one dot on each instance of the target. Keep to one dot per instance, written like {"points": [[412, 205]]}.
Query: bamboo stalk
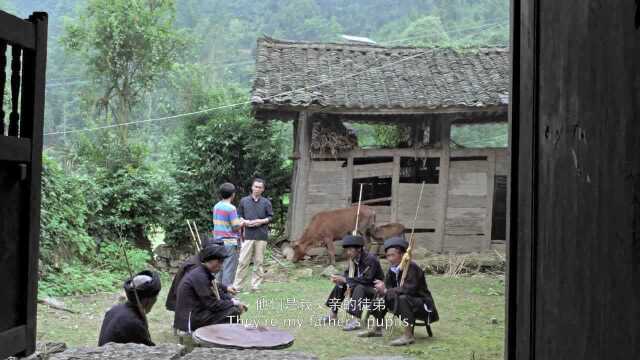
{"points": [[406, 259], [355, 231], [193, 237], [133, 285]]}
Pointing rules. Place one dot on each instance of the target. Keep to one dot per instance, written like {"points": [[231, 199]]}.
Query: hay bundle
{"points": [[330, 136]]}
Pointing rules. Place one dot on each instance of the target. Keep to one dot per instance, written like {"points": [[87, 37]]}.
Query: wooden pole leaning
{"points": [[406, 259], [193, 237], [133, 285], [352, 270]]}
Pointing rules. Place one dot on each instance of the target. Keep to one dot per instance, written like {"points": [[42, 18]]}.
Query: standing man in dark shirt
{"points": [[202, 300], [124, 323], [257, 214]]}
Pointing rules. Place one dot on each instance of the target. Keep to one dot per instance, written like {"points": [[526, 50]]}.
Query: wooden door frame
{"points": [[24, 150], [522, 188]]}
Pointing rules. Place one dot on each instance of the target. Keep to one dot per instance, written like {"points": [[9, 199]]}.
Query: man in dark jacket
{"points": [[410, 301], [358, 279], [125, 323], [202, 300], [187, 266]]}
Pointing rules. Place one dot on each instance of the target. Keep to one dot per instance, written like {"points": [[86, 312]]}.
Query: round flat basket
{"points": [[236, 336]]}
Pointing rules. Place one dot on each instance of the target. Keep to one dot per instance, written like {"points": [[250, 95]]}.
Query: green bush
{"points": [[105, 272], [73, 205], [131, 196], [63, 222]]}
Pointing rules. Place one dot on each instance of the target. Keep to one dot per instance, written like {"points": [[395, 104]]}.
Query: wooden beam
{"points": [[13, 341], [445, 135], [349, 182], [491, 172], [302, 173], [392, 153], [371, 201], [34, 92], [520, 310], [455, 110], [17, 31], [395, 187], [15, 149]]}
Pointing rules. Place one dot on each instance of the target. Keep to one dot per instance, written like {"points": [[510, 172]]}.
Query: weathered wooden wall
{"points": [[574, 269], [456, 213], [326, 187]]}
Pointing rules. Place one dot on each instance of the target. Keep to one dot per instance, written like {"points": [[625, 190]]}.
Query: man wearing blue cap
{"points": [[365, 270], [410, 301], [202, 300]]}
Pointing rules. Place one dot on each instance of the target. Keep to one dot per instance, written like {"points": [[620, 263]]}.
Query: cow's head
{"points": [[299, 251], [377, 233]]}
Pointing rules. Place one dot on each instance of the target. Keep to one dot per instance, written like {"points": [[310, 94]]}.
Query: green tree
{"points": [[227, 145], [64, 216], [132, 194], [128, 45], [425, 31]]}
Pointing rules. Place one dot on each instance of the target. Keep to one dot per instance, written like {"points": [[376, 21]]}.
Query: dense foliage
{"points": [[71, 261]]}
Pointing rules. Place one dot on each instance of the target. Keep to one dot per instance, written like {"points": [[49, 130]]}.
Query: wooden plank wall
{"points": [[326, 187], [468, 206], [429, 213]]}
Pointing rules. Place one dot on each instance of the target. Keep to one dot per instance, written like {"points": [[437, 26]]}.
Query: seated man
{"points": [[409, 301], [187, 266], [199, 302], [125, 323], [366, 269]]}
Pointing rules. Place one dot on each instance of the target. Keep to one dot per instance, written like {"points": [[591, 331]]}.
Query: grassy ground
{"points": [[471, 322]]}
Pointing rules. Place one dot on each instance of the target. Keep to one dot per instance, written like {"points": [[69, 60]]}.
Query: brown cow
{"points": [[328, 226], [383, 232]]}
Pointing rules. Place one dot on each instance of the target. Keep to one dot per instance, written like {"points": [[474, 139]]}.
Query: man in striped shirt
{"points": [[226, 228]]}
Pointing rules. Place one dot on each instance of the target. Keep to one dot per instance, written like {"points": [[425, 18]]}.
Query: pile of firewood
{"points": [[330, 136]]}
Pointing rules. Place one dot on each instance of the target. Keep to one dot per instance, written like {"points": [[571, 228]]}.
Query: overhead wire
{"points": [[245, 102]]}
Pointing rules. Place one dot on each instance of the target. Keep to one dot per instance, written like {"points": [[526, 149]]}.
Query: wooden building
{"points": [[324, 87], [23, 46]]}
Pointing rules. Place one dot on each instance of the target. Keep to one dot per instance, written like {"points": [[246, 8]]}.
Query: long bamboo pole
{"points": [[133, 285], [406, 259]]}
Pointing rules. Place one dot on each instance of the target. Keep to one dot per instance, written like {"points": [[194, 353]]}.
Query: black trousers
{"points": [[360, 296], [407, 308], [231, 314]]}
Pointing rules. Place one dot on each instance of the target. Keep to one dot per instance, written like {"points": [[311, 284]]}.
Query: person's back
{"points": [[226, 229], [225, 218], [198, 303], [124, 324], [187, 266]]}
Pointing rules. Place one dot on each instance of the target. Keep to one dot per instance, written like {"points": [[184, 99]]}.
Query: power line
{"points": [[248, 102], [237, 104], [78, 82], [459, 30]]}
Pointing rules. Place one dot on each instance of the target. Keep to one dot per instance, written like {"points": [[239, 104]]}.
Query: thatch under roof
{"points": [[295, 76]]}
